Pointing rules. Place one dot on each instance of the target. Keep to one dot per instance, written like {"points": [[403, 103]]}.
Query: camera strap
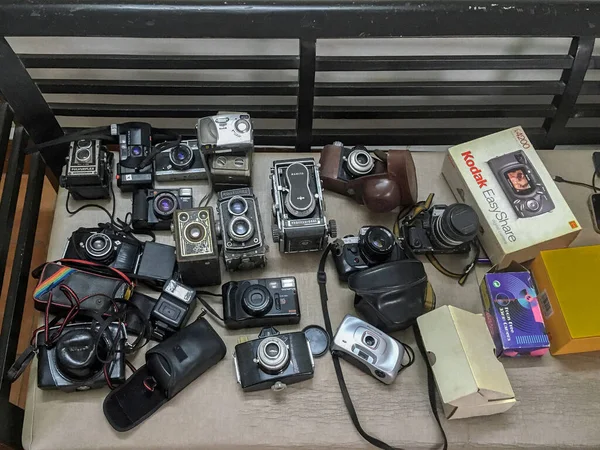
{"points": [[322, 280]]}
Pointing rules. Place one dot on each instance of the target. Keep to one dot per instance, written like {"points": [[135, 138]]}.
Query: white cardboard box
{"points": [[470, 380], [520, 209]]}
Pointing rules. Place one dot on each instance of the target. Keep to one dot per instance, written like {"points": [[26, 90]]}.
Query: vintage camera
{"points": [[196, 247], [273, 361], [230, 171], [442, 229], [153, 209], [88, 172], [120, 250], [180, 163], [521, 184], [263, 302], [241, 229], [368, 348], [380, 180], [298, 207], [74, 362], [172, 310], [226, 133], [374, 245], [135, 144]]}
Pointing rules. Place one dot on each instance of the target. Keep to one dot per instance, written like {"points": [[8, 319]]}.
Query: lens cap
{"points": [[460, 222], [318, 339]]}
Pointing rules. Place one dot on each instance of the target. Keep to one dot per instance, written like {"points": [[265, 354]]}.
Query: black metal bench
{"points": [[305, 21]]}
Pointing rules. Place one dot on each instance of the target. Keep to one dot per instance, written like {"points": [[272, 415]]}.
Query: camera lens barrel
{"points": [[257, 300], [181, 157], [165, 205], [272, 355], [457, 225], [99, 247], [377, 243], [240, 229], [360, 162], [237, 206]]}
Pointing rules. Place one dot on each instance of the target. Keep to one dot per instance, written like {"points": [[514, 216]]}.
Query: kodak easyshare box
{"points": [[512, 312], [470, 379], [520, 209], [567, 282]]}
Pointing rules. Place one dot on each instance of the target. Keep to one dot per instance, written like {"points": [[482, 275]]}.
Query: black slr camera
{"points": [[298, 207], [241, 229], [521, 184], [120, 250], [374, 245], [273, 361], [180, 163], [172, 310], [75, 361], [263, 302], [135, 144], [153, 209], [442, 229], [87, 175]]}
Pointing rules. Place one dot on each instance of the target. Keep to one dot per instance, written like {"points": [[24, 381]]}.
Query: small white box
{"points": [[520, 209], [470, 380]]}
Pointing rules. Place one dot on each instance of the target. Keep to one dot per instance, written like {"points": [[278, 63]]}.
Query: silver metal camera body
{"points": [[368, 348], [244, 245], [226, 133], [197, 252], [299, 224], [180, 163]]}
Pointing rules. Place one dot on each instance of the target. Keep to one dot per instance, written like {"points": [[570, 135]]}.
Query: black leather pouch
{"points": [[170, 367], [391, 296]]}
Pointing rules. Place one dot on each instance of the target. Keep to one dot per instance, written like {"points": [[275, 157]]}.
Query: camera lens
{"points": [[370, 340], [76, 354], [240, 229], [377, 243], [83, 155], [457, 225], [257, 300], [165, 204], [195, 232], [237, 206], [181, 157], [99, 247], [272, 354], [360, 162], [84, 143], [136, 150]]}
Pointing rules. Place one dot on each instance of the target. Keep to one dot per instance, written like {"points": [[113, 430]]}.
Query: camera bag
{"points": [[63, 282], [391, 296], [170, 367]]}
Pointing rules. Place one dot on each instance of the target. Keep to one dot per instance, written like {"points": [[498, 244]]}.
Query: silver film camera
{"points": [[226, 133], [180, 163], [368, 348]]}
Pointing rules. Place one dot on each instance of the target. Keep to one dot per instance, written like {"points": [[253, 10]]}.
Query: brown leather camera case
{"points": [[390, 184]]}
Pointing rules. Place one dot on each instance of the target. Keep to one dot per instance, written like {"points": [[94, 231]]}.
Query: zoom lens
{"points": [[237, 206], [165, 204], [457, 225], [273, 355], [181, 157], [360, 162], [257, 300], [99, 247], [377, 243], [240, 229]]}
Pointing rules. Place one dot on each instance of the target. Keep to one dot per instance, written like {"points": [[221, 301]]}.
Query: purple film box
{"points": [[512, 312]]}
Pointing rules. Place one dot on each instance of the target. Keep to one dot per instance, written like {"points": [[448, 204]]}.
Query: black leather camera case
{"points": [[170, 367]]}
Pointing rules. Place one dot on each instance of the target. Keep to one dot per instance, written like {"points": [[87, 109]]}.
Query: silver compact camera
{"points": [[226, 133], [368, 348], [180, 163], [298, 207], [230, 171], [242, 232]]}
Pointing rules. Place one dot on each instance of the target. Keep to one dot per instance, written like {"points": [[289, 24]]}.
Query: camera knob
{"points": [[333, 228], [379, 373], [338, 143], [276, 233]]}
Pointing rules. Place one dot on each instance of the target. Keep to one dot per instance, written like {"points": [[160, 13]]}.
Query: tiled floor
{"points": [[19, 390]]}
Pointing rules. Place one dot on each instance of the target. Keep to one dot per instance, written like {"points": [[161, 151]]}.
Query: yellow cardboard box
{"points": [[567, 281]]}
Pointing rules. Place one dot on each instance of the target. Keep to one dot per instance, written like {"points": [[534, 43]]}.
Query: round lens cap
{"points": [[318, 339]]}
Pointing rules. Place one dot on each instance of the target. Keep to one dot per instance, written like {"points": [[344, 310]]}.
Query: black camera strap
{"points": [[322, 279]]}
